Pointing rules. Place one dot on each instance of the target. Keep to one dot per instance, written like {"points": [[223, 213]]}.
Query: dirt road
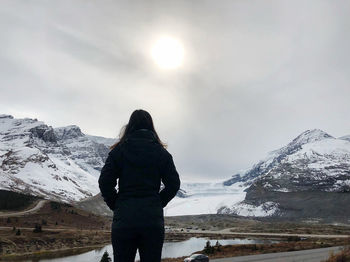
{"points": [[228, 232], [34, 209], [311, 255]]}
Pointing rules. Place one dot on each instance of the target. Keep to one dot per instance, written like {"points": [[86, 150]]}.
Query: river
{"points": [[170, 249]]}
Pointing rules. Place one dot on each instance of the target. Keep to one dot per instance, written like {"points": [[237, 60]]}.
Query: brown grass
{"points": [[238, 224], [32, 243], [254, 249], [343, 256], [54, 215]]}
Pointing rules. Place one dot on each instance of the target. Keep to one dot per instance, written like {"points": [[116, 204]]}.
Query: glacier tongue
{"points": [[204, 198]]}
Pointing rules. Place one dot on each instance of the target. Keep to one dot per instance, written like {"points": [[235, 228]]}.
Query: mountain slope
{"points": [[295, 179], [61, 163]]}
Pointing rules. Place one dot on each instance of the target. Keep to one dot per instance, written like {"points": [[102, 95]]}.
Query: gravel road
{"points": [[311, 255]]}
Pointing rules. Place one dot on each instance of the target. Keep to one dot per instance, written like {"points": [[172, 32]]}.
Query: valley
{"points": [[50, 207], [66, 231]]}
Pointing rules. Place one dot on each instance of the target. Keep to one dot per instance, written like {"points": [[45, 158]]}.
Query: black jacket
{"points": [[139, 164]]}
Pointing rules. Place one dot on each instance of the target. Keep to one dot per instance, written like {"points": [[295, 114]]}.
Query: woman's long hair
{"points": [[139, 119]]}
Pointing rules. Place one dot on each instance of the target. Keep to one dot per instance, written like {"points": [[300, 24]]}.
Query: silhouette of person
{"points": [[139, 162]]}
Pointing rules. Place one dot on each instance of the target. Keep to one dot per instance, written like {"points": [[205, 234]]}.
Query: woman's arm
{"points": [[171, 181], [108, 179]]}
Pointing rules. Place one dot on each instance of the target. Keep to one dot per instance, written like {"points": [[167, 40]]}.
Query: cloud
{"points": [[255, 75]]}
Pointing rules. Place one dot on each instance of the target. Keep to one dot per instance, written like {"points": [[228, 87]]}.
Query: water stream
{"points": [[170, 249]]}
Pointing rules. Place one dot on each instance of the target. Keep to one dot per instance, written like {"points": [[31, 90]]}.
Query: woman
{"points": [[140, 162]]}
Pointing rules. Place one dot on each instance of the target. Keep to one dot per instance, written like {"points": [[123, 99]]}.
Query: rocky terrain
{"points": [[308, 178], [95, 205], [56, 163]]}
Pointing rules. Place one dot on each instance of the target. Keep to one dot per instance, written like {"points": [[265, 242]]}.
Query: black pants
{"points": [[148, 240]]}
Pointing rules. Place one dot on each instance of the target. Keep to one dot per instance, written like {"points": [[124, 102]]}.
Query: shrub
{"points": [[218, 246], [18, 233], [293, 238], [12, 200], [343, 256], [105, 257], [55, 206], [208, 249], [37, 228]]}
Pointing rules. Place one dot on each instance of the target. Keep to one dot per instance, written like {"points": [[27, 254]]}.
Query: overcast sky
{"points": [[255, 73]]}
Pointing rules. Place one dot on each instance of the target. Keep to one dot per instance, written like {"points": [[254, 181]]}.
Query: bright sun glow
{"points": [[168, 53]]}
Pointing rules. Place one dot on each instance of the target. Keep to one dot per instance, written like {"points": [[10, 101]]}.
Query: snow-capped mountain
{"points": [[309, 177], [58, 163], [312, 161], [301, 176], [345, 138], [312, 164]]}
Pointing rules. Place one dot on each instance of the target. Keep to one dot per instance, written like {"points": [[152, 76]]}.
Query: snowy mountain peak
{"points": [[308, 177], [68, 132], [57, 163], [345, 138], [310, 136], [6, 116], [315, 144]]}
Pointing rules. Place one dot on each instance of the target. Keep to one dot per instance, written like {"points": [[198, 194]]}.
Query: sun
{"points": [[168, 53]]}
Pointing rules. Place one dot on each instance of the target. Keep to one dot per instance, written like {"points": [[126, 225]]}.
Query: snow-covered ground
{"points": [[204, 198], [244, 209], [61, 164]]}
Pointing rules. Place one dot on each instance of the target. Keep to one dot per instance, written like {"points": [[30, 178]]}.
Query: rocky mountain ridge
{"points": [[57, 163], [315, 165], [60, 163]]}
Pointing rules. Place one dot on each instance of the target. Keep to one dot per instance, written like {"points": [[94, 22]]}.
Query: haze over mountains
{"points": [[64, 164]]}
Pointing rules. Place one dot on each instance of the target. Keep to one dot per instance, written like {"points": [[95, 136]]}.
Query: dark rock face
{"points": [[44, 132], [181, 193], [235, 178], [6, 116], [328, 206], [298, 177], [82, 148], [68, 132]]}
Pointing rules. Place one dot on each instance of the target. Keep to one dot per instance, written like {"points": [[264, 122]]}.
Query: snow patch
{"points": [[204, 198], [244, 209]]}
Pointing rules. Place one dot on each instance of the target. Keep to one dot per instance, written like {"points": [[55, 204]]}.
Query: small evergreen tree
{"points": [[208, 249], [37, 228], [218, 246], [105, 257], [18, 233]]}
